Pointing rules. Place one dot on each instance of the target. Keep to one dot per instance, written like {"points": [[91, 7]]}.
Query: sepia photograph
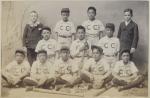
{"points": [[74, 49]]}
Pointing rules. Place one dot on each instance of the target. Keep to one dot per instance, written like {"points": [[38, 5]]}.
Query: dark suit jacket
{"points": [[128, 35], [32, 35]]}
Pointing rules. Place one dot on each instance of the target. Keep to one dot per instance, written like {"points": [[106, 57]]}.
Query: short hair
{"points": [[125, 51], [111, 26], [129, 10], [92, 8], [46, 28], [98, 48], [20, 51], [65, 10], [80, 27], [42, 51]]}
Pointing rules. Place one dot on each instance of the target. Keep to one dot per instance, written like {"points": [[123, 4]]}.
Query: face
{"points": [[81, 34], [65, 16], [96, 54], [19, 57], [127, 16], [46, 34], [91, 14], [125, 57], [34, 17], [42, 57], [65, 55], [109, 32]]}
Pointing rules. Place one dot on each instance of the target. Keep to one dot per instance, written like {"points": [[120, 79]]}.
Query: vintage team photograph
{"points": [[74, 49]]}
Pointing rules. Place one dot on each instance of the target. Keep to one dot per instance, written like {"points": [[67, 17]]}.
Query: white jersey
{"points": [[93, 27], [110, 46], [48, 45], [125, 70], [76, 46]]}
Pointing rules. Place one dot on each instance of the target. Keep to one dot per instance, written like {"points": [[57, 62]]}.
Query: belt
{"points": [[110, 55], [64, 36]]}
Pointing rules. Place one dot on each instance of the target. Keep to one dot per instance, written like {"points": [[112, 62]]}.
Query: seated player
{"points": [[96, 71], [110, 44], [66, 73], [16, 71], [125, 73], [41, 72], [80, 48], [48, 44]]}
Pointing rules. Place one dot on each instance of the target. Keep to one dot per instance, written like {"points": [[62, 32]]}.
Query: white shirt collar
{"points": [[127, 22], [34, 24]]}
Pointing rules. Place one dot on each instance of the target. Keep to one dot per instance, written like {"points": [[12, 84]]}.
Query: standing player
{"points": [[110, 44], [125, 73], [16, 71], [31, 36], [96, 70], [65, 29], [94, 28], [128, 33], [48, 44], [80, 48]]}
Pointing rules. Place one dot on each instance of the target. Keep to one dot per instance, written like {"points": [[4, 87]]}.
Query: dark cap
{"points": [[20, 51], [64, 48], [46, 28], [65, 10], [97, 47], [111, 26]]}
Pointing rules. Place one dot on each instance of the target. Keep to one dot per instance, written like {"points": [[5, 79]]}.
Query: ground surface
{"points": [[21, 93]]}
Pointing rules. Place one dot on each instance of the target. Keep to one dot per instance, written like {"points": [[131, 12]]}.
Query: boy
{"points": [[41, 72], [31, 36], [94, 28], [64, 29], [125, 73], [16, 71], [47, 44], [80, 48], [110, 44], [96, 70], [128, 33], [65, 70]]}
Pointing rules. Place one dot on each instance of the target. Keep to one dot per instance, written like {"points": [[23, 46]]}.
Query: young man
{"points": [[94, 28], [42, 72], [80, 48], [48, 44], [65, 70], [96, 70], [16, 71], [31, 36], [64, 29], [110, 44], [128, 33], [125, 73]]}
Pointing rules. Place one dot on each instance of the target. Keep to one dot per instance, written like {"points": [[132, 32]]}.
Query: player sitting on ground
{"points": [[125, 73], [65, 70], [96, 71], [41, 72], [16, 71]]}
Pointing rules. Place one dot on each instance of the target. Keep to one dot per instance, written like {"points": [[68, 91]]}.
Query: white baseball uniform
{"points": [[48, 45], [14, 70], [65, 31], [110, 48], [92, 30], [76, 53], [66, 69]]}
